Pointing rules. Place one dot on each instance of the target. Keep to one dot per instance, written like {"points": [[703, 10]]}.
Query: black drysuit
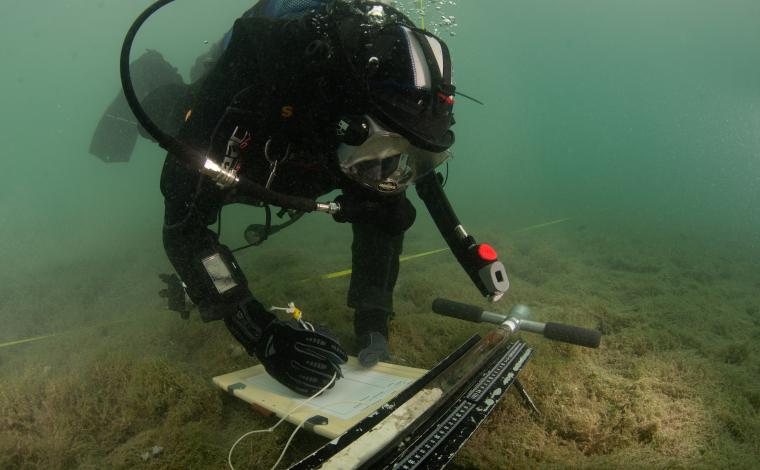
{"points": [[269, 96]]}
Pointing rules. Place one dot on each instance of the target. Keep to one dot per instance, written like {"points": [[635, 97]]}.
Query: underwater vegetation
{"points": [[673, 385], [638, 118]]}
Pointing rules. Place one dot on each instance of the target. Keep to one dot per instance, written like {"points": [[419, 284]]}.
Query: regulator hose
{"points": [[186, 153]]}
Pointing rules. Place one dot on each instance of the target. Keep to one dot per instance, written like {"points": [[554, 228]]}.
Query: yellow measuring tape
{"points": [[344, 273], [422, 15], [545, 224], [52, 335], [27, 340], [347, 272]]}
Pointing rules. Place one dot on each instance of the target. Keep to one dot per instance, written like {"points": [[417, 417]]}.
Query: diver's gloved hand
{"points": [[302, 359]]}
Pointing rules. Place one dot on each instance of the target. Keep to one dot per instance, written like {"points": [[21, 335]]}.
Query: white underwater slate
{"points": [[355, 396]]}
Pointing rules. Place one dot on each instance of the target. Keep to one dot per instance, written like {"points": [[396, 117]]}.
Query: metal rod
{"points": [[526, 398]]}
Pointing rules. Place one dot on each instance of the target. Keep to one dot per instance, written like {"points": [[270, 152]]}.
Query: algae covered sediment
{"points": [[638, 120], [673, 384]]}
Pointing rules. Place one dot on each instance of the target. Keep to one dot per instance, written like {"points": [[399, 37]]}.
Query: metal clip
{"points": [[274, 161], [272, 173]]}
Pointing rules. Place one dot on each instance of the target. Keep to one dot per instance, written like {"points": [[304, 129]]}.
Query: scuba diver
{"points": [[302, 98]]}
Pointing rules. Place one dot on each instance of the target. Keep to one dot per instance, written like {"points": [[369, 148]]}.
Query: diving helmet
{"points": [[402, 78]]}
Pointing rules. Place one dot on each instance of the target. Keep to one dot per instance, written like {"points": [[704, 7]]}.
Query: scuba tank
{"points": [[162, 91]]}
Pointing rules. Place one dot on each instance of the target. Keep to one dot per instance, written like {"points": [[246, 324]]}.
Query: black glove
{"points": [[174, 294], [305, 361], [301, 359]]}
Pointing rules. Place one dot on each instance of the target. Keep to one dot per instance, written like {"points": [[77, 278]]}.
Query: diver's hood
{"points": [[403, 73]]}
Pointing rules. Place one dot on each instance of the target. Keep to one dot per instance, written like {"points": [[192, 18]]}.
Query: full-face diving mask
{"points": [[380, 159]]}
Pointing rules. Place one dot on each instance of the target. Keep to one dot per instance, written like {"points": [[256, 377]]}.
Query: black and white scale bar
{"points": [[491, 377], [440, 433]]}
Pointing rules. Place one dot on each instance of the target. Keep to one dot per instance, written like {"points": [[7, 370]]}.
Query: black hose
{"points": [[187, 154], [161, 137]]}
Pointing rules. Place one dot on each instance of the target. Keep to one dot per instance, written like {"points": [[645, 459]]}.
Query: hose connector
{"points": [[222, 177], [331, 208]]}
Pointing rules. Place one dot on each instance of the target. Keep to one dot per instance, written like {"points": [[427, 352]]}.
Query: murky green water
{"points": [[639, 121]]}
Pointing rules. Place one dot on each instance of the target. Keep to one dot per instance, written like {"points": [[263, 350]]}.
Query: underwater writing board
{"points": [[355, 396]]}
